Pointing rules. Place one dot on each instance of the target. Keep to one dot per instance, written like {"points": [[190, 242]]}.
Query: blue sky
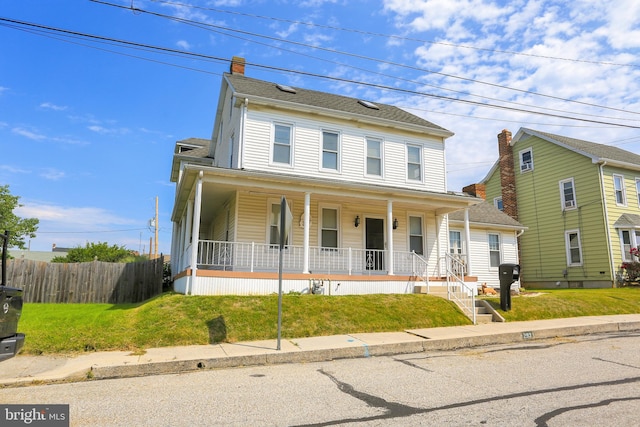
{"points": [[87, 128]]}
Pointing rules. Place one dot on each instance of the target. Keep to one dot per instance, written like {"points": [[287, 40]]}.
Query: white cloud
{"points": [[52, 174], [73, 218], [13, 169], [183, 44], [54, 107], [28, 134]]}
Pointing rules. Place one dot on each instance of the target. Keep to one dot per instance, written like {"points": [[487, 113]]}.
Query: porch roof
{"points": [[486, 215], [229, 180]]}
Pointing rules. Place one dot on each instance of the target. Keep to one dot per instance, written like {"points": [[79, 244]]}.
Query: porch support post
{"points": [[467, 239], [195, 234], [186, 235], [175, 244], [442, 252], [305, 243], [390, 237]]}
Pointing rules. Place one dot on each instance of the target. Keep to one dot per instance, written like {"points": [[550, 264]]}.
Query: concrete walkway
{"points": [[25, 370]]}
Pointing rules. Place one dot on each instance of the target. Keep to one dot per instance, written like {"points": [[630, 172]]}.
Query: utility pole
{"points": [[156, 224]]}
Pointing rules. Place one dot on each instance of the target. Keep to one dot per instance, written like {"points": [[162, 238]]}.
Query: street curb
{"points": [[355, 351]]}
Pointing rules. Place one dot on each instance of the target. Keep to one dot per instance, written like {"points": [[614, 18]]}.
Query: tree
{"points": [[97, 252], [19, 228]]}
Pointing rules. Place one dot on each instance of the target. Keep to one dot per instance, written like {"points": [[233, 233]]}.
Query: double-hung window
{"points": [[495, 254], [638, 190], [374, 157], [329, 231], [567, 194], [330, 150], [526, 160], [414, 163], [416, 237], [618, 188], [574, 248], [282, 144]]}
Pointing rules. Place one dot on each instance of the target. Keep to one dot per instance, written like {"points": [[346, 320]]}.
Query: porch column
{"points": [[195, 234], [390, 237], [305, 243], [175, 242], [467, 240], [186, 235]]}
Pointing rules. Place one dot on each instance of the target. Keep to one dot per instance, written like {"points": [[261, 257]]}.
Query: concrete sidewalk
{"points": [[25, 370]]}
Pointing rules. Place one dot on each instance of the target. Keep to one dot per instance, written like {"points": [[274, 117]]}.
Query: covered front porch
{"points": [[367, 239]]}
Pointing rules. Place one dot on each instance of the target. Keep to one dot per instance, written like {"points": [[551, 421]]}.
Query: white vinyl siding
{"points": [[618, 188], [568, 194], [574, 248]]}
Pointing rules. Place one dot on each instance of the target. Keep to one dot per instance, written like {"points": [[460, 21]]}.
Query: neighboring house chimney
{"points": [[237, 65], [477, 190], [507, 175]]}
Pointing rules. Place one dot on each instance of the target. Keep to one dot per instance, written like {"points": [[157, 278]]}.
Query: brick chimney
{"points": [[477, 190], [237, 65], [507, 175]]}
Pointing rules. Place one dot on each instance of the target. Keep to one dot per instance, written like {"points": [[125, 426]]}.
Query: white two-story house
{"points": [[365, 183]]}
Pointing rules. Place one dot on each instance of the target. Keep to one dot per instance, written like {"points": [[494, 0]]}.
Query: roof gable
{"points": [[596, 152], [327, 102]]}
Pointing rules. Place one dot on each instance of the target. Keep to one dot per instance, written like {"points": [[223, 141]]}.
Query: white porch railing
{"points": [[458, 290], [252, 257]]}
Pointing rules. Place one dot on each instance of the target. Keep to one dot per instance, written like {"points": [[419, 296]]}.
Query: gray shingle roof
{"points": [[322, 100], [628, 221], [592, 149], [486, 213]]}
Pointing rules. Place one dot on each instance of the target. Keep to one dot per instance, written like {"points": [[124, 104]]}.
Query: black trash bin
{"points": [[509, 273]]}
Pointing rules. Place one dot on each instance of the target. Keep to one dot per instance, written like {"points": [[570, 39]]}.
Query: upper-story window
{"points": [[495, 253], [374, 157], [282, 143], [526, 160], [618, 188], [574, 248], [330, 150], [497, 202], [416, 238], [414, 162], [638, 190], [567, 194]]}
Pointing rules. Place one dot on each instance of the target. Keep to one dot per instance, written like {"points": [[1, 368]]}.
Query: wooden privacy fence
{"points": [[86, 282]]}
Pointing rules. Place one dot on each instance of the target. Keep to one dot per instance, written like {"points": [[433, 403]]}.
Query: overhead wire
{"points": [[315, 75]]}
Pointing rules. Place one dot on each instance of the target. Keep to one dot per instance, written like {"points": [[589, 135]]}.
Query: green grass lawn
{"points": [[173, 319]]}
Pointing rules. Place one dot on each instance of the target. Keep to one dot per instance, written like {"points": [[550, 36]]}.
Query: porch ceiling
{"points": [[219, 184]]}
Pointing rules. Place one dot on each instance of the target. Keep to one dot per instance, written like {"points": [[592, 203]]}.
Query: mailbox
{"points": [[509, 273]]}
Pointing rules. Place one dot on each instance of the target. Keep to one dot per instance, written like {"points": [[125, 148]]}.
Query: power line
{"points": [[391, 36], [319, 76], [357, 56]]}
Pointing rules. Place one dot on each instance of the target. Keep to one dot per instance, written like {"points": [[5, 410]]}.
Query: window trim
{"points": [[321, 227], [563, 202], [422, 231], [496, 201], [461, 242], [567, 243], [520, 155], [638, 190], [338, 167], [622, 190], [366, 156], [273, 144], [500, 251], [420, 165]]}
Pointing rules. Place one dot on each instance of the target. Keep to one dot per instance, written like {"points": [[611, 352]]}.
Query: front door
{"points": [[375, 243]]}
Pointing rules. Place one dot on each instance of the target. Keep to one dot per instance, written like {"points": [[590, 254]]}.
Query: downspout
{"points": [[605, 212], [467, 239], [243, 113], [195, 234]]}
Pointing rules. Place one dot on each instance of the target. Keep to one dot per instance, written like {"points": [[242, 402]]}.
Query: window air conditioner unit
{"points": [[569, 204], [526, 167]]}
